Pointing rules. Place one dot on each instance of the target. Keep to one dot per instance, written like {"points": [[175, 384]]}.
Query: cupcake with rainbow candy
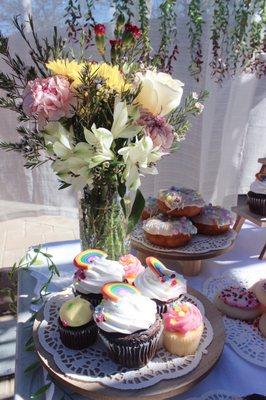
{"points": [[160, 284], [93, 271], [129, 325]]}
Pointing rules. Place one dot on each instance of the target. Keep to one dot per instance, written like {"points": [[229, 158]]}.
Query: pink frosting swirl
{"points": [[182, 317], [132, 266]]}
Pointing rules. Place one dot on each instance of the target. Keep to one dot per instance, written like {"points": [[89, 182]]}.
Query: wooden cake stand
{"points": [[190, 264], [161, 390], [243, 212]]}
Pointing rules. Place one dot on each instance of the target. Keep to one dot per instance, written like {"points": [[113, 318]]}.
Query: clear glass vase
{"points": [[103, 224]]}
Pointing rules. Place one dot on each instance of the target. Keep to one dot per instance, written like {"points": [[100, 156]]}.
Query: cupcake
{"points": [[167, 232], [151, 209], [160, 284], [129, 325], [238, 302], [132, 267], [180, 202], [213, 220], [257, 196], [93, 271], [183, 328], [77, 328]]}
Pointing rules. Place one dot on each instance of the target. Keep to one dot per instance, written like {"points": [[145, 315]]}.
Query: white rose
{"points": [[160, 93]]}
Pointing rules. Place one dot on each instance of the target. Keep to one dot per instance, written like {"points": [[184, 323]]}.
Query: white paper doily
{"points": [[245, 338], [94, 365], [198, 243], [217, 395]]}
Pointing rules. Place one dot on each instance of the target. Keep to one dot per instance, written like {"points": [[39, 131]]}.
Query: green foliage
{"points": [[195, 27]]}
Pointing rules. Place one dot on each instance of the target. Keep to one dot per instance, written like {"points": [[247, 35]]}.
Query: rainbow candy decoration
{"points": [[159, 269], [115, 290], [85, 258]]}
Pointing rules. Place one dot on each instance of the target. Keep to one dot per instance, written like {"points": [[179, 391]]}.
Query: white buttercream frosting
{"points": [[101, 271], [161, 225], [152, 286], [128, 315], [258, 187]]}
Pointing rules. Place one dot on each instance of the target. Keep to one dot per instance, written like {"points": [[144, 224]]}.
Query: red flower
{"points": [[99, 29], [134, 29], [115, 42]]}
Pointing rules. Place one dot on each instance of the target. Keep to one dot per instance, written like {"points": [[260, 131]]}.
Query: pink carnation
{"points": [[49, 99], [132, 266], [158, 129]]}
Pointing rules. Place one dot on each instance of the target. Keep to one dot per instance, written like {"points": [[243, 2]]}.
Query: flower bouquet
{"points": [[102, 125]]}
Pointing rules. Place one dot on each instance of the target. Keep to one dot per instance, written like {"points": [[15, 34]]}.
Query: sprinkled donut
{"points": [[238, 302], [213, 220], [85, 258], [115, 290], [180, 202]]}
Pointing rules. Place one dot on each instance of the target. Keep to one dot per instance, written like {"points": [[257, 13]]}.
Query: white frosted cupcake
{"points": [[93, 271], [129, 325], [160, 284]]}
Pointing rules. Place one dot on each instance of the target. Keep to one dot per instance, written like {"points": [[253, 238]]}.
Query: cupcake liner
{"points": [[94, 298], [257, 203], [78, 337], [136, 353]]}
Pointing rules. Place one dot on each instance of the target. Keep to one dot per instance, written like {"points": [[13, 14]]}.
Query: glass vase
{"points": [[103, 224]]}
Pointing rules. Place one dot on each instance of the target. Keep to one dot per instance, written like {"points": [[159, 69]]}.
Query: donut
{"points": [[150, 209], [84, 259], [213, 220], [115, 290], [166, 232], [180, 202], [262, 325], [239, 303], [259, 288]]}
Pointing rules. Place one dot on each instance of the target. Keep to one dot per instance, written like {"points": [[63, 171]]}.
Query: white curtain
{"points": [[218, 157]]}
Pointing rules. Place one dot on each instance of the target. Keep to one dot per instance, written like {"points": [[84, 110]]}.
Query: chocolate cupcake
{"points": [[160, 284], [77, 328], [129, 325], [93, 271], [257, 197]]}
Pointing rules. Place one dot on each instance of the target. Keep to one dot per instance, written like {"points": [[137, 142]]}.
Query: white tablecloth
{"points": [[231, 373]]}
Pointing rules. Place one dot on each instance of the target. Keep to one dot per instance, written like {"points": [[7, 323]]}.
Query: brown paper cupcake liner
{"points": [[257, 203], [133, 354], [78, 338]]}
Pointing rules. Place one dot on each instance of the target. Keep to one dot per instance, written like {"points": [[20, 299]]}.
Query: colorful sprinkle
{"points": [[85, 258], [115, 290]]}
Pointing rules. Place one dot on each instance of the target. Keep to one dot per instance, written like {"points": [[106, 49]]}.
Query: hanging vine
{"points": [[168, 49], [195, 28], [123, 7], [144, 21], [220, 40]]}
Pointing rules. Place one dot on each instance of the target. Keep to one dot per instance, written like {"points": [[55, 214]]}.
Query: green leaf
{"points": [[136, 211], [31, 367], [40, 391]]}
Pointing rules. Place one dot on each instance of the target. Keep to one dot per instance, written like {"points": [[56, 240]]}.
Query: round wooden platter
{"points": [[161, 390], [190, 264]]}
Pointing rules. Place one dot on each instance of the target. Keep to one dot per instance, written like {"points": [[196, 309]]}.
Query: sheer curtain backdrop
{"points": [[218, 157]]}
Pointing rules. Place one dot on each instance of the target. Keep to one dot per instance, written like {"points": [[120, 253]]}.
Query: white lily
{"points": [[140, 158], [121, 127]]}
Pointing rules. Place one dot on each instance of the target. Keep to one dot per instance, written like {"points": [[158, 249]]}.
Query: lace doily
{"points": [[198, 243], [244, 337], [217, 395], [94, 365]]}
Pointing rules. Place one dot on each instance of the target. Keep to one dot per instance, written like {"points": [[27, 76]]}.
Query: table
{"points": [[231, 373]]}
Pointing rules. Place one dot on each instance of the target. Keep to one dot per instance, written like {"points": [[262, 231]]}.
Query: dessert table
{"points": [[231, 377]]}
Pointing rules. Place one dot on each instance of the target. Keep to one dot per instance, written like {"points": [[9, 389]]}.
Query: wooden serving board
{"points": [[161, 390]]}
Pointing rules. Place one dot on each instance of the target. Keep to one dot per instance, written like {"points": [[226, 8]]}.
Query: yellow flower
{"points": [[70, 69], [113, 77]]}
